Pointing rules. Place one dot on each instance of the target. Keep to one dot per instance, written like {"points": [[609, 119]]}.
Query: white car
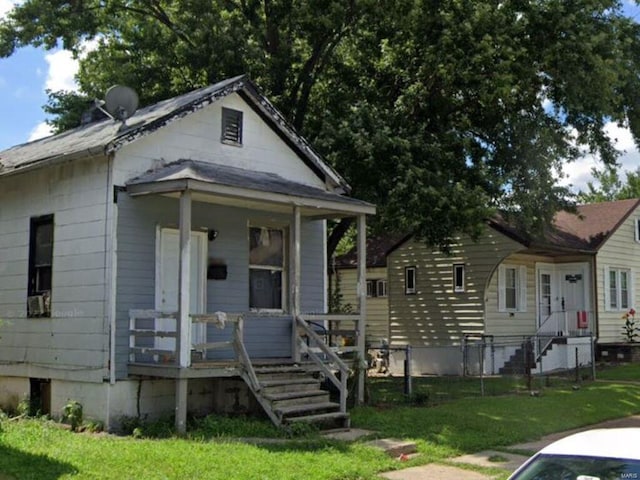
{"points": [[603, 454]]}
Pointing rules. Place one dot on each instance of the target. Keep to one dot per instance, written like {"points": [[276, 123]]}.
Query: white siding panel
{"points": [[197, 137], [76, 336]]}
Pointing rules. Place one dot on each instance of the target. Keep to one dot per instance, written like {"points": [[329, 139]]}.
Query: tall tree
{"points": [[438, 111], [608, 186]]}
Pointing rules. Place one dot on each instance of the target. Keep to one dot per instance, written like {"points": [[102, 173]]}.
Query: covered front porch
{"points": [[271, 283]]}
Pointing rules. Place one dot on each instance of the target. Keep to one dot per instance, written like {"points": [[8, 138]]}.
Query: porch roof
{"points": [[251, 189]]}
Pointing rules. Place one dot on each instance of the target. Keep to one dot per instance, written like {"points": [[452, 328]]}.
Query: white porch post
{"points": [[295, 281], [183, 327], [362, 302]]}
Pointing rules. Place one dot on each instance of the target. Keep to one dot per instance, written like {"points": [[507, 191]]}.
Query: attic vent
{"points": [[231, 126]]}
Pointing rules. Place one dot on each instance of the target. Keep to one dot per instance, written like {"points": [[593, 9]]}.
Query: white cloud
{"points": [[578, 173], [63, 68], [62, 71], [5, 6], [40, 131]]}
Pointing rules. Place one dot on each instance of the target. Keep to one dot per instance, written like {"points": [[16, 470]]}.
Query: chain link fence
{"points": [[479, 366]]}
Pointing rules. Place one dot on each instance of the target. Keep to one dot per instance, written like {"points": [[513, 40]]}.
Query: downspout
{"points": [[596, 310], [109, 304], [111, 265]]}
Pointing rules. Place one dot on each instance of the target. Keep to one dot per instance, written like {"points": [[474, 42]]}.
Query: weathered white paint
{"points": [[12, 391], [197, 137], [362, 301], [75, 341], [296, 277], [167, 269]]}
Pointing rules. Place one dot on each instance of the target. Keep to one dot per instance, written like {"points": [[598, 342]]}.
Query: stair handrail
{"points": [[341, 384], [542, 334], [242, 354]]}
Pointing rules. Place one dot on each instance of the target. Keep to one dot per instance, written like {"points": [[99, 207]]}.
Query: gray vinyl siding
{"points": [[136, 262], [436, 315], [74, 342]]}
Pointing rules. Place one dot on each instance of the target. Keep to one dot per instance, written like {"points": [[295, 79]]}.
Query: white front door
{"points": [[572, 292], [167, 269]]}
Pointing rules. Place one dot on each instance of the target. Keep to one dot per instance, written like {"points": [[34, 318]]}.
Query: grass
{"points": [[436, 390], [624, 372], [39, 449]]}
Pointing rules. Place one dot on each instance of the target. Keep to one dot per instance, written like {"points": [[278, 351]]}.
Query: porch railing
{"points": [[143, 326], [560, 323], [340, 334]]}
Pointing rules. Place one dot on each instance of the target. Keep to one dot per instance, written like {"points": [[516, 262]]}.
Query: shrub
{"points": [[72, 414]]}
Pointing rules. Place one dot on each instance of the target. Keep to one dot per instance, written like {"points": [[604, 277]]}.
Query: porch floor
{"points": [[201, 369]]}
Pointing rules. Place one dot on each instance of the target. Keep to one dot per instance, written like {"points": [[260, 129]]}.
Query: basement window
{"points": [[231, 127]]}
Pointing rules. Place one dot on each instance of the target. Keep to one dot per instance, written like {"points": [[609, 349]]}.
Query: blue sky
{"points": [[26, 75]]}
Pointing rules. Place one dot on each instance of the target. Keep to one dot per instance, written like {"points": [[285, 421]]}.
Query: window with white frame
{"points": [[266, 268], [637, 229], [618, 289], [376, 288], [458, 278], [409, 280], [512, 288]]}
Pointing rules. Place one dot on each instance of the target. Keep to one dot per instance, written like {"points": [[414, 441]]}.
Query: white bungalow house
{"points": [[563, 290], [165, 263]]}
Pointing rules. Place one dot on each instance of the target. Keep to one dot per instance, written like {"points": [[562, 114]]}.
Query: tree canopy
{"points": [[438, 111], [608, 186]]}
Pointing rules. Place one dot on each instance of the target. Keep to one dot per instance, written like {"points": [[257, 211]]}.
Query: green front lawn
{"points": [[34, 449]]}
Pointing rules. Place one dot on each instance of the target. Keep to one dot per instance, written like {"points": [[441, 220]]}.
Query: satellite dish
{"points": [[121, 102]]}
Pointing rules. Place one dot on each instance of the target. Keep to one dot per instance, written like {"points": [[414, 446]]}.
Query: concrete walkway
{"points": [[504, 459]]}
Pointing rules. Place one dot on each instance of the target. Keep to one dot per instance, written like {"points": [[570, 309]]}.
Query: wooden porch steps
{"points": [[290, 393], [324, 417]]}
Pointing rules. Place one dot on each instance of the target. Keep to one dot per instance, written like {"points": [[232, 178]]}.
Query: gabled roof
{"points": [[107, 136], [585, 231], [377, 249]]}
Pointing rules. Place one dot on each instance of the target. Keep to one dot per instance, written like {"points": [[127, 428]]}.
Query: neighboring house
{"points": [[343, 281], [580, 279], [164, 263]]}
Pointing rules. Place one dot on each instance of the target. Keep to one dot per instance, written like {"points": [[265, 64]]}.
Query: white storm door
{"points": [[167, 281], [546, 297]]}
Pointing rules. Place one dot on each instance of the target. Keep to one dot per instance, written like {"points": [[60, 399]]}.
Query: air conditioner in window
{"points": [[38, 305]]}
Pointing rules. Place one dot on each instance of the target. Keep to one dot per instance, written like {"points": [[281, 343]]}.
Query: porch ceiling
{"points": [[226, 185]]}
